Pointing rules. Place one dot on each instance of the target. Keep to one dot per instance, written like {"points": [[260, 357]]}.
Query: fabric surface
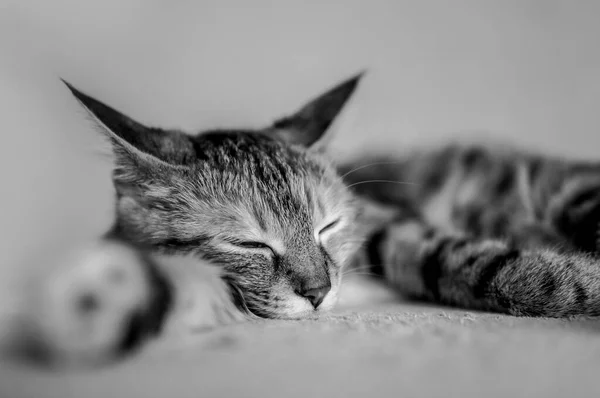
{"points": [[384, 348]]}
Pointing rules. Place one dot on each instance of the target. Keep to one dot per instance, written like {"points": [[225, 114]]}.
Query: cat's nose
{"points": [[315, 295]]}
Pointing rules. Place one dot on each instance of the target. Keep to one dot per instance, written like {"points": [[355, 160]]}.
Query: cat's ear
{"points": [[134, 143], [309, 125]]}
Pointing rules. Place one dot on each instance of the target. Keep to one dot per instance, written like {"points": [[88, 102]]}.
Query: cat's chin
{"points": [[308, 314], [297, 308]]}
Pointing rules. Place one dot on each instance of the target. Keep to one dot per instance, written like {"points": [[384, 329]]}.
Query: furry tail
{"points": [[487, 274]]}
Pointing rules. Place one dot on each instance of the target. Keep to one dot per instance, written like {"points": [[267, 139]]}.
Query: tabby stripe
{"points": [[458, 244], [437, 172], [473, 220], [549, 284], [431, 271], [583, 196], [535, 169], [506, 181], [162, 299], [473, 157], [133, 336], [149, 322], [581, 296], [490, 270], [175, 243], [373, 250], [548, 288], [499, 226]]}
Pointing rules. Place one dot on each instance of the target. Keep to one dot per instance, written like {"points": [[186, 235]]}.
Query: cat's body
{"points": [[488, 228], [224, 225]]}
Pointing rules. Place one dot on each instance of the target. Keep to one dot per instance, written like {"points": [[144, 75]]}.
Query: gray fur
{"points": [[479, 228], [490, 228], [248, 200]]}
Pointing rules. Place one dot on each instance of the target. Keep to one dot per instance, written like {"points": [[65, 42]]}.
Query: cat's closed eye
{"points": [[325, 232], [328, 227], [253, 245], [250, 246]]}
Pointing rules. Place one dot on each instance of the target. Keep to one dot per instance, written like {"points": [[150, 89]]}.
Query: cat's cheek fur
{"points": [[296, 307], [288, 305], [202, 299], [330, 301]]}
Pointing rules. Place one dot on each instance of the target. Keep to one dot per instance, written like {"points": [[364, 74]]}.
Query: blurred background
{"points": [[525, 71]]}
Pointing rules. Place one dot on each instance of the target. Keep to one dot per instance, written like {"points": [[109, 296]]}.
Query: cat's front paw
{"points": [[102, 302], [108, 298]]}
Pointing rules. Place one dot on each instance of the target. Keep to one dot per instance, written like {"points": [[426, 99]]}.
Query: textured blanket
{"points": [[386, 348]]}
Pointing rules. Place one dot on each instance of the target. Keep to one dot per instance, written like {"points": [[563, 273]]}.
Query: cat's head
{"points": [[264, 204]]}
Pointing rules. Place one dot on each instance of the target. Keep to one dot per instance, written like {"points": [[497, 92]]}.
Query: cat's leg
{"points": [[487, 274], [575, 211], [109, 297]]}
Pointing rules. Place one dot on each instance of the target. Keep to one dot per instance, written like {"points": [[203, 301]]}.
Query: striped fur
{"points": [[488, 228], [209, 228], [219, 226]]}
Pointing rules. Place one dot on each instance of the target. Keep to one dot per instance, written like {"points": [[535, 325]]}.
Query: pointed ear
{"points": [[308, 126], [134, 142]]}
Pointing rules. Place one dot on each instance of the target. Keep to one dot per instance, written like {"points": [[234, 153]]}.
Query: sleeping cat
{"points": [[209, 228], [226, 225]]}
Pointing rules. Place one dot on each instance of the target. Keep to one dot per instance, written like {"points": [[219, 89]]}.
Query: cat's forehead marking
{"points": [[257, 229], [250, 186]]}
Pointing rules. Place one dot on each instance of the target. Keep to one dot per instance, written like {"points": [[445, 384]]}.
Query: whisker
{"points": [[390, 181], [369, 165], [238, 295], [262, 310], [360, 268]]}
